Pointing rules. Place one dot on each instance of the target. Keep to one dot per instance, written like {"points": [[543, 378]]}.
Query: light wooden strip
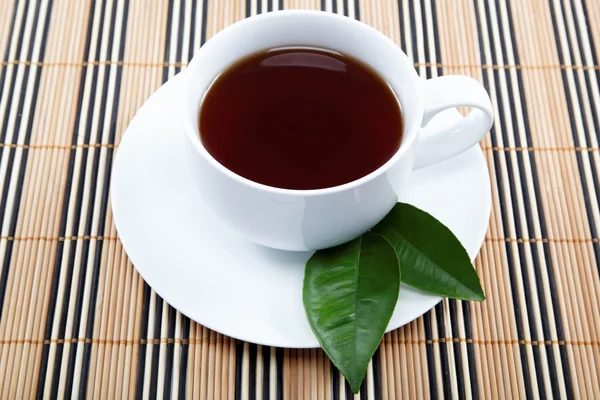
{"points": [[302, 4], [311, 373], [418, 331], [231, 370], [210, 377], [273, 373], [412, 361], [195, 357], [386, 368], [173, 390], [220, 380], [302, 373], [400, 367], [149, 349], [481, 354], [205, 364], [328, 372]]}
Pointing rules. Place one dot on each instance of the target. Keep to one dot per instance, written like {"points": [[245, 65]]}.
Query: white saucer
{"points": [[221, 280]]}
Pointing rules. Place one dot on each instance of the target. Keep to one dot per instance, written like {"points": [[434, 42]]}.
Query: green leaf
{"points": [[349, 295], [432, 258]]}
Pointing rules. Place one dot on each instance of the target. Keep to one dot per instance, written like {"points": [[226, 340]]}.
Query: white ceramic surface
{"points": [[314, 219], [222, 280]]}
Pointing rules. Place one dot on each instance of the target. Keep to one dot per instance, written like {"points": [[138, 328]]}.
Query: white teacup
{"points": [[314, 219]]}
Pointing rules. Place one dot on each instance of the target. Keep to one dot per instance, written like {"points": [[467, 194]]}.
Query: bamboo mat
{"points": [[78, 321]]}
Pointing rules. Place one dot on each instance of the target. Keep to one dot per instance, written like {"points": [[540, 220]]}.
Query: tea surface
{"points": [[300, 118]]}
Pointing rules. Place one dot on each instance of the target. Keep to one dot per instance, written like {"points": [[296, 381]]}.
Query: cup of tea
{"points": [[303, 126]]}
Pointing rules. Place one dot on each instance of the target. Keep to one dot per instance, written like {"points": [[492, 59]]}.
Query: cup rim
{"points": [[408, 138]]}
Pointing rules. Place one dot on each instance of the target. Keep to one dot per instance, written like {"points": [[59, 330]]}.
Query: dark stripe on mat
{"points": [[184, 356], [335, 382], [377, 374], [431, 367], [239, 358], [167, 389], [154, 349], [252, 353], [266, 378], [279, 364], [141, 362]]}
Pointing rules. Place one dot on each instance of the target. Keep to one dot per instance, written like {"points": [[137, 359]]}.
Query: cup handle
{"points": [[447, 92]]}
